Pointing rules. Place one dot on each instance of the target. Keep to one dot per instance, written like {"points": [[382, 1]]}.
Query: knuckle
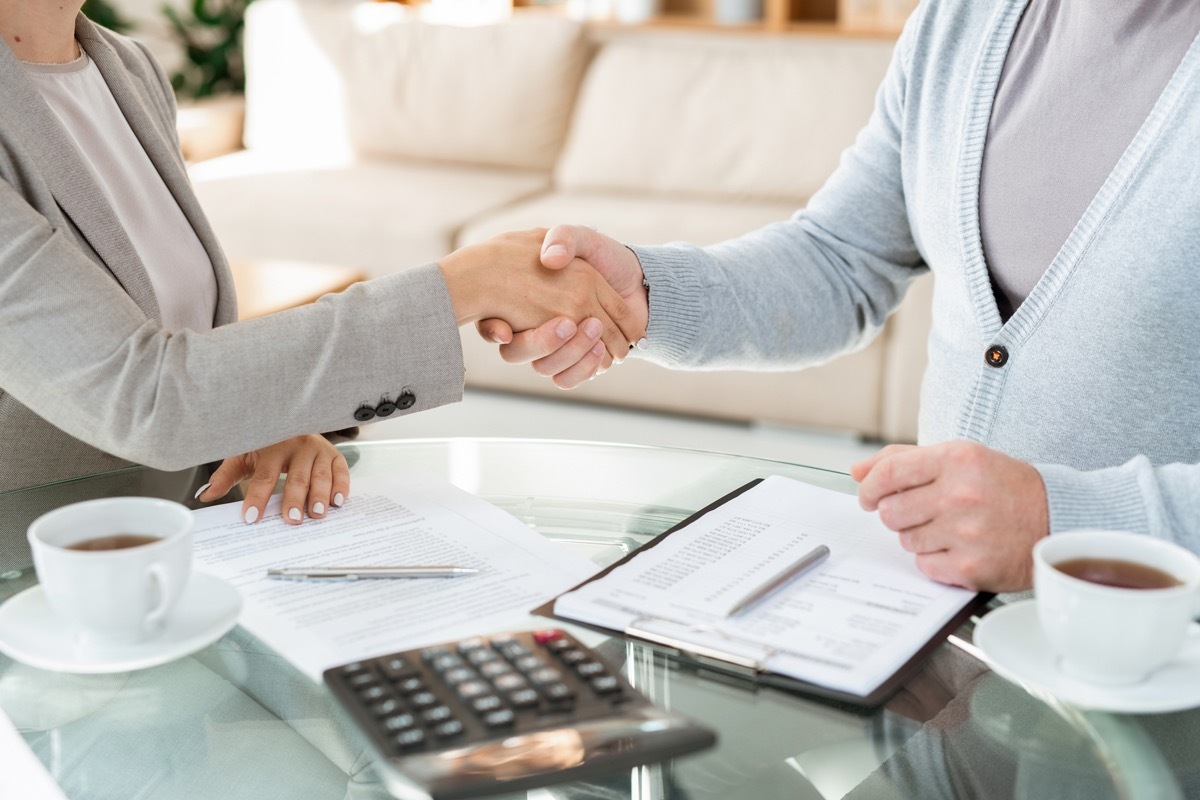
{"points": [[299, 481]]}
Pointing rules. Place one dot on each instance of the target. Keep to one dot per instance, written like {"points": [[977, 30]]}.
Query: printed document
{"points": [[848, 624], [406, 519], [23, 775]]}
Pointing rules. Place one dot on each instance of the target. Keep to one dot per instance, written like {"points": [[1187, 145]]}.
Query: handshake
{"points": [[569, 300]]}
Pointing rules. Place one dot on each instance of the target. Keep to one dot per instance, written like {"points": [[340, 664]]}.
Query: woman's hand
{"points": [[317, 477]]}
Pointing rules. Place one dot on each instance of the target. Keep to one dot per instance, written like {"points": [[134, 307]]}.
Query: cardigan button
{"points": [[364, 414], [996, 356], [406, 400]]}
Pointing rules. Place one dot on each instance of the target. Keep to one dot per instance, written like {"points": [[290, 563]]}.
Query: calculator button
{"points": [[459, 675], [430, 653], [423, 699], [572, 656], [406, 740], [544, 676], [398, 722], [447, 662], [547, 635], [489, 702], [559, 645], [514, 650], [523, 698], [606, 684], [558, 692], [449, 728], [495, 668], [385, 707], [499, 719], [590, 669], [373, 693], [510, 681], [354, 669], [394, 668], [410, 685], [362, 679], [528, 663], [482, 655], [473, 689], [436, 714], [467, 645]]}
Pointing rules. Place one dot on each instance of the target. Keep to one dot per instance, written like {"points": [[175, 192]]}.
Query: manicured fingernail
{"points": [[555, 250], [294, 514], [200, 491], [318, 508], [642, 344], [592, 328], [565, 329], [338, 499], [598, 349], [251, 514]]}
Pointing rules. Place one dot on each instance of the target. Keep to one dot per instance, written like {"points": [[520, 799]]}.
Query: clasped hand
{"points": [[568, 310]]}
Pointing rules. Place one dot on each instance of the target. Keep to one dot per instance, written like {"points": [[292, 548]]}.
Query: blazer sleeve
{"points": [[77, 351]]}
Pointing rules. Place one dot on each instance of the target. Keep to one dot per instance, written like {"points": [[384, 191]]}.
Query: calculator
{"points": [[504, 713]]}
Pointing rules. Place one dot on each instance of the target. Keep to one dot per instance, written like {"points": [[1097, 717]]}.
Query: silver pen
{"points": [[807, 562], [359, 573]]}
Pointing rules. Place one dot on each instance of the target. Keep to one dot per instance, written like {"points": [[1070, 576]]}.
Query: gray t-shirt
{"points": [[1078, 82]]}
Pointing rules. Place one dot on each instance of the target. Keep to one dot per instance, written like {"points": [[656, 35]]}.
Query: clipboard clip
{"points": [[704, 654]]}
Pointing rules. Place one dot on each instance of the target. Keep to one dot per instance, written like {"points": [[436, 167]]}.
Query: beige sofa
{"points": [[376, 140]]}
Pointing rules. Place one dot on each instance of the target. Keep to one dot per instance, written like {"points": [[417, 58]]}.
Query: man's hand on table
{"points": [[971, 515]]}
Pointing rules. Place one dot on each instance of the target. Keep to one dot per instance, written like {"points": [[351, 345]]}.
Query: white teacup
{"points": [[1107, 635], [120, 593]]}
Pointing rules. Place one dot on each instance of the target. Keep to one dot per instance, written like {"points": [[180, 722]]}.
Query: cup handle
{"points": [[161, 576]]}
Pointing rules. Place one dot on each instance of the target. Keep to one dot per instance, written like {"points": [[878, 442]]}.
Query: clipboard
{"points": [[739, 665]]}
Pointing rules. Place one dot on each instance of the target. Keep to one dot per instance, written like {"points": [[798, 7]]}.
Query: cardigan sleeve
{"points": [[804, 290], [1162, 501]]}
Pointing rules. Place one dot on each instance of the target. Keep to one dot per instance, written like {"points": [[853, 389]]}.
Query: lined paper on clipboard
{"points": [[848, 625]]}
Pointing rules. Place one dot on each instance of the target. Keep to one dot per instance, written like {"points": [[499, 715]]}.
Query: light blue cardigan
{"points": [[1101, 389]]}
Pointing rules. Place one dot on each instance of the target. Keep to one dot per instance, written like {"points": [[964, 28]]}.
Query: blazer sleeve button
{"points": [[385, 408], [406, 400], [364, 414]]}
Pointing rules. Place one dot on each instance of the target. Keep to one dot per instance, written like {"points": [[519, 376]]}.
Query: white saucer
{"points": [[32, 634], [1011, 639]]}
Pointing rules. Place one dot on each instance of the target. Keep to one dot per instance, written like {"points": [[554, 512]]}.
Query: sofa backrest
{"points": [[733, 116], [372, 78]]}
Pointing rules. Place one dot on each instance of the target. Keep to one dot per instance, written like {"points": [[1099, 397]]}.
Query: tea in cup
{"points": [[1114, 606], [113, 569]]}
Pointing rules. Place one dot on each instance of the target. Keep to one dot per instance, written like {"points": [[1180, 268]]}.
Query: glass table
{"points": [[236, 721]]}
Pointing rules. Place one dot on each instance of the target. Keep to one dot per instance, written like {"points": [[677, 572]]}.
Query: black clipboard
{"points": [[706, 658]]}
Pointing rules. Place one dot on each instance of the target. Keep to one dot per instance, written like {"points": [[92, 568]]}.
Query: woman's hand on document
{"points": [[566, 358], [317, 477], [970, 514]]}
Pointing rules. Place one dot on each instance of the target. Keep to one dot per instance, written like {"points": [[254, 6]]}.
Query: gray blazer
{"points": [[90, 381]]}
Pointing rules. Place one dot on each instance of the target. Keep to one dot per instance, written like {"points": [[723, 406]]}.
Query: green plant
{"points": [[106, 15], [211, 36]]}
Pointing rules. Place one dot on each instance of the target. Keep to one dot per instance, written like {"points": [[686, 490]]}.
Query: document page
{"points": [[406, 519], [848, 624], [23, 775]]}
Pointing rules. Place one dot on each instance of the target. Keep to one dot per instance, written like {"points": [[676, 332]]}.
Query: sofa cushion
{"points": [[842, 394], [373, 78], [381, 216], [733, 116]]}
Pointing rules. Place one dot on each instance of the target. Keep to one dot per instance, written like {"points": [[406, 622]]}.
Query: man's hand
{"points": [[569, 359], [971, 515], [317, 477]]}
